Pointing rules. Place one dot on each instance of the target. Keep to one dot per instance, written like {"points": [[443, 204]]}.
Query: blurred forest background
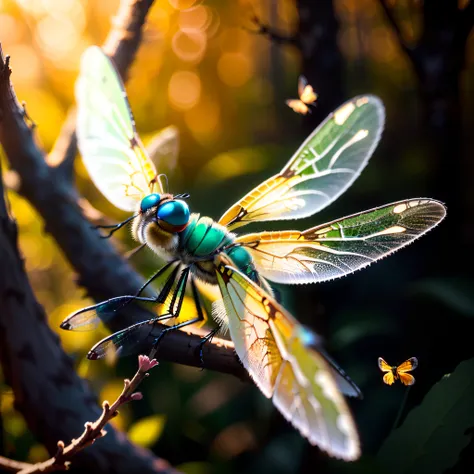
{"points": [[221, 71]]}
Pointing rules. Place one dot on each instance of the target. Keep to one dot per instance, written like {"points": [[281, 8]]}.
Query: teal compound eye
{"points": [[149, 201], [173, 216]]}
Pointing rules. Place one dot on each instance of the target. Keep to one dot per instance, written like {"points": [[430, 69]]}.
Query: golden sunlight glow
{"points": [[234, 69], [213, 22], [235, 39], [204, 120], [189, 45], [57, 36], [160, 19], [182, 4], [194, 18], [184, 90], [12, 29], [33, 7], [26, 63]]}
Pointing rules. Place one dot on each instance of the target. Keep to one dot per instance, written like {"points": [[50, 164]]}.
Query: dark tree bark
{"points": [[54, 400], [438, 59], [322, 61]]}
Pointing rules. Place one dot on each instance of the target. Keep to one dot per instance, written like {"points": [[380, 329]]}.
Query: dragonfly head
{"points": [[161, 217], [173, 215]]}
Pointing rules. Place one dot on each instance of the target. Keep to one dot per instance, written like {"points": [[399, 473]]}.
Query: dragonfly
{"points": [[286, 360], [393, 373]]}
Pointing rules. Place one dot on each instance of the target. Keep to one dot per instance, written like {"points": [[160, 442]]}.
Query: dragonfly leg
{"points": [[162, 334], [164, 292], [200, 314], [155, 276], [206, 338], [175, 309]]}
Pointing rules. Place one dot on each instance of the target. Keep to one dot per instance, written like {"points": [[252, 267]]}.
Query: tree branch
{"points": [[54, 400], [100, 269], [466, 21], [396, 27], [94, 431], [273, 34], [11, 465]]}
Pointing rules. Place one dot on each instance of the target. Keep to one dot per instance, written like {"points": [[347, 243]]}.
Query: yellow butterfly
{"points": [[307, 97], [393, 372]]}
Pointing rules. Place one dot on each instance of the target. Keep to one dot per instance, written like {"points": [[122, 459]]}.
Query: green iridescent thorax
{"points": [[203, 238]]}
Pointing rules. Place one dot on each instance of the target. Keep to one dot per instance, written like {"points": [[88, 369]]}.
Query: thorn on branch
{"points": [[27, 118], [5, 71]]}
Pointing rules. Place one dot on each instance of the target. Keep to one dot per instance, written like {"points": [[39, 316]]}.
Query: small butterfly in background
{"points": [[307, 97], [394, 373]]}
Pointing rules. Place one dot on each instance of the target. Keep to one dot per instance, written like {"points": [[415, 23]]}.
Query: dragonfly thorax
{"points": [[202, 240]]}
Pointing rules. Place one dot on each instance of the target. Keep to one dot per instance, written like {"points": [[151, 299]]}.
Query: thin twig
{"points": [[11, 465], [94, 430]]}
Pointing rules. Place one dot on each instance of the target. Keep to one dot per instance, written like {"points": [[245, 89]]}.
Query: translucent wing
{"points": [[88, 318], [388, 378], [343, 246], [325, 165], [281, 357], [131, 340], [298, 106], [383, 366], [406, 379], [302, 84], [111, 149], [408, 365], [164, 148], [306, 91]]}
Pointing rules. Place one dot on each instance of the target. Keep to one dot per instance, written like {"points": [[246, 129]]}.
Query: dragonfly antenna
{"points": [[163, 180], [114, 227]]}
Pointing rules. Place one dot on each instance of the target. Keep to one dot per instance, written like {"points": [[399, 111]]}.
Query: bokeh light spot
{"points": [[183, 4], [57, 36], [194, 18], [27, 66], [12, 30], [184, 89], [189, 45], [235, 39], [204, 120], [234, 69]]}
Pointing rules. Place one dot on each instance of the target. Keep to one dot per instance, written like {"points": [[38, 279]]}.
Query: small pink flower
{"points": [[145, 364]]}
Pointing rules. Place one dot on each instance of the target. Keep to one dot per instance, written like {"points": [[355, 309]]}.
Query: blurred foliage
{"points": [[145, 432], [199, 70]]}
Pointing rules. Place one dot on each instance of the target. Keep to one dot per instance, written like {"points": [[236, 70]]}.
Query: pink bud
{"points": [[145, 364], [136, 396]]}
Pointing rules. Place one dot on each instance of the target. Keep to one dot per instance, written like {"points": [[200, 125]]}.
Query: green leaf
{"points": [[146, 431], [434, 433]]}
